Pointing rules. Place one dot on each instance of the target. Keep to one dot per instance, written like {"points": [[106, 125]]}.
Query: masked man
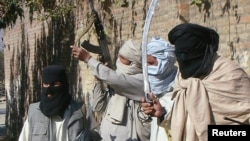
{"points": [[121, 118], [161, 72], [209, 89], [57, 117]]}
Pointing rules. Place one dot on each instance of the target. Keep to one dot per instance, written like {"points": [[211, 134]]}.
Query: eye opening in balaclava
{"points": [[60, 97]]}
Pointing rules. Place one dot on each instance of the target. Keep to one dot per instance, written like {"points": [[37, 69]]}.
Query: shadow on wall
{"points": [[50, 48]]}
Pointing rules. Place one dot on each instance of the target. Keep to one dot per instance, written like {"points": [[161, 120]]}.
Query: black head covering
{"points": [[195, 48], [60, 96]]}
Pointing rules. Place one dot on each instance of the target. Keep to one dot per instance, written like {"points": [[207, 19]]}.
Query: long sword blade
{"points": [[144, 47]]}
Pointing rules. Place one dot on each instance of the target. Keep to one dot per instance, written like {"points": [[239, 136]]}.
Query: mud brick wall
{"points": [[125, 20]]}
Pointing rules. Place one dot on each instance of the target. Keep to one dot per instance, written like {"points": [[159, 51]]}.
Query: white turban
{"points": [[160, 48], [161, 77]]}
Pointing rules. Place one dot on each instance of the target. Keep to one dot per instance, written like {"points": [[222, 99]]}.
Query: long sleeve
{"points": [[24, 135], [130, 86], [100, 101]]}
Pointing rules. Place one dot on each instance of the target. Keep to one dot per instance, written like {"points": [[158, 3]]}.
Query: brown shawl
{"points": [[225, 92]]}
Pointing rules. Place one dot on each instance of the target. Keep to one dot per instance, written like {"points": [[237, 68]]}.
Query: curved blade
{"points": [[144, 47]]}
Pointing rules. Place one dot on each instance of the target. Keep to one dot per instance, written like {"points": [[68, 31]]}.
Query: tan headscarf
{"points": [[132, 51]]}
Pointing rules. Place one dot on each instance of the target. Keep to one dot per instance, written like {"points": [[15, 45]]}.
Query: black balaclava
{"points": [[60, 95], [195, 48]]}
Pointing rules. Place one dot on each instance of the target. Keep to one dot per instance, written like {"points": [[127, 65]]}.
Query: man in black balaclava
{"points": [[57, 117], [55, 97]]}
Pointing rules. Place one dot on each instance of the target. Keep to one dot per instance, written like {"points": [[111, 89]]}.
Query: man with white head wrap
{"points": [[161, 73], [161, 76], [120, 119]]}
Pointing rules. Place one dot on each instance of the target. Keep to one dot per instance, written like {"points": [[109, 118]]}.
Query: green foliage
{"points": [[57, 12], [34, 5], [203, 6], [10, 11], [48, 8], [196, 2]]}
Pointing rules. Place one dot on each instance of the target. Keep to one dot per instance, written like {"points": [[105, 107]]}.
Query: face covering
{"points": [[159, 69], [130, 50], [195, 48], [127, 69], [161, 77], [57, 104]]}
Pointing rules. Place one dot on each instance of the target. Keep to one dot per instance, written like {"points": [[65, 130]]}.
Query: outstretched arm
{"points": [[130, 86]]}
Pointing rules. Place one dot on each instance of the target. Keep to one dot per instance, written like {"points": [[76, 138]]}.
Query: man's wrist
{"points": [[163, 113], [87, 59]]}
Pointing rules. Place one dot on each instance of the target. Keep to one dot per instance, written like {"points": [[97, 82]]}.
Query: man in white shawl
{"points": [[209, 88], [121, 118], [161, 72]]}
